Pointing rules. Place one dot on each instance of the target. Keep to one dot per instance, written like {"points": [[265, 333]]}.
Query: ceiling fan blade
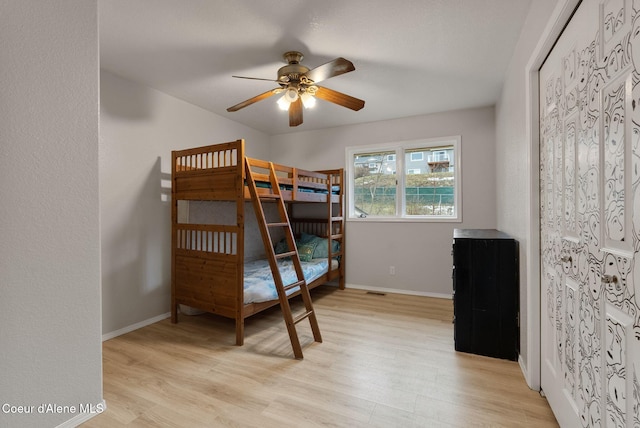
{"points": [[284, 80], [295, 112], [339, 98], [331, 69], [254, 99]]}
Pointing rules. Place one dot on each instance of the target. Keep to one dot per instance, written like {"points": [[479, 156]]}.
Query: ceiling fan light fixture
{"points": [[283, 104], [291, 94], [307, 100]]}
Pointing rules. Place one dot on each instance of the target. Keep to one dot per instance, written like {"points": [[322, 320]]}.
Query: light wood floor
{"points": [[386, 361]]}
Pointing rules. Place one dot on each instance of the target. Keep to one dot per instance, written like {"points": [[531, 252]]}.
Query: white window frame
{"points": [[400, 148]]}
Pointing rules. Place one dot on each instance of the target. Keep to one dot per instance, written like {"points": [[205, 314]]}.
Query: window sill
{"points": [[413, 219]]}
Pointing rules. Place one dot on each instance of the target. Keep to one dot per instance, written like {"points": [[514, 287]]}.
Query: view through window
{"points": [[414, 180]]}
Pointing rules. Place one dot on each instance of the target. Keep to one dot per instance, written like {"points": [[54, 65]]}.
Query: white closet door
{"points": [[590, 218]]}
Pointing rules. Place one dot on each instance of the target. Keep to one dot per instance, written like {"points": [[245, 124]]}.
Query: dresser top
{"points": [[479, 234]]}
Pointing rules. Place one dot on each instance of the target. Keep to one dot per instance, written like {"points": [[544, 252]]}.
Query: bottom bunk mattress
{"points": [[258, 280]]}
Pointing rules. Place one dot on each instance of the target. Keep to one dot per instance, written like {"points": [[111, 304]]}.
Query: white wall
{"points": [[139, 128], [515, 165], [50, 348], [420, 252]]}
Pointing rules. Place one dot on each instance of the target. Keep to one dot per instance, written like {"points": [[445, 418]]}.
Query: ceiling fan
{"points": [[298, 84]]}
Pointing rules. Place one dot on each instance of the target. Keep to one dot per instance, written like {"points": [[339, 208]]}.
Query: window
{"points": [[417, 156], [405, 181]]}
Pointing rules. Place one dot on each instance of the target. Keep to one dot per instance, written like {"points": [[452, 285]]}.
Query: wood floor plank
{"points": [[386, 361]]}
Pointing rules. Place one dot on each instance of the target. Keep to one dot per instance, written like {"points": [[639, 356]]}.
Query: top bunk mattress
{"points": [[335, 190]]}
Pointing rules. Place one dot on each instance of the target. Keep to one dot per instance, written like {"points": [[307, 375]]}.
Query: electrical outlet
{"points": [[392, 270]]}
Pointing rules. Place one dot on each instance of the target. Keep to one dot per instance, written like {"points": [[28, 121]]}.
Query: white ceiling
{"points": [[412, 57]]}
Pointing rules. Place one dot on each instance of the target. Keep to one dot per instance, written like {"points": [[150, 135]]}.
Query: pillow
{"points": [[306, 251], [322, 248], [305, 238], [282, 247], [319, 247]]}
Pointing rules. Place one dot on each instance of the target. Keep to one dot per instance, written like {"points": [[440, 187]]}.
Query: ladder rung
{"points": [[287, 254], [269, 196], [303, 316], [293, 285], [278, 224], [337, 218], [336, 236]]}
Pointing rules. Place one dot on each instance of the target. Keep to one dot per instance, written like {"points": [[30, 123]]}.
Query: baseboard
{"points": [[527, 375], [81, 418], [395, 290], [132, 327]]}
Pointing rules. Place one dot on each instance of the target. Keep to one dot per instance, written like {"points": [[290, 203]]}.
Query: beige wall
{"points": [[139, 128], [50, 348], [515, 165], [420, 252]]}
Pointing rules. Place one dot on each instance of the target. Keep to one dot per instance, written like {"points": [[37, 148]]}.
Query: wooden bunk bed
{"points": [[208, 260]]}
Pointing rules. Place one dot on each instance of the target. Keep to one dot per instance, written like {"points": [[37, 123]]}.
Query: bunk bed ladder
{"points": [[274, 195]]}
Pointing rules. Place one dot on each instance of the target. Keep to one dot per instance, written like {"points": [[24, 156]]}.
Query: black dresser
{"points": [[485, 293]]}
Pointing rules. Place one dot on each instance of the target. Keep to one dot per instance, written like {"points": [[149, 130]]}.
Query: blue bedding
{"points": [[258, 280], [264, 185]]}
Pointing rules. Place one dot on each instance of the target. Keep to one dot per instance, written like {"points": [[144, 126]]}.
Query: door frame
{"points": [[559, 19]]}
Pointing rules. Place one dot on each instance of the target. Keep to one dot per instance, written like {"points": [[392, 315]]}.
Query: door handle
{"points": [[608, 279]]}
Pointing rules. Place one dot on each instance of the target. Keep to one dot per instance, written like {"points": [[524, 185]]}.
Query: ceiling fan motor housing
{"points": [[293, 71]]}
